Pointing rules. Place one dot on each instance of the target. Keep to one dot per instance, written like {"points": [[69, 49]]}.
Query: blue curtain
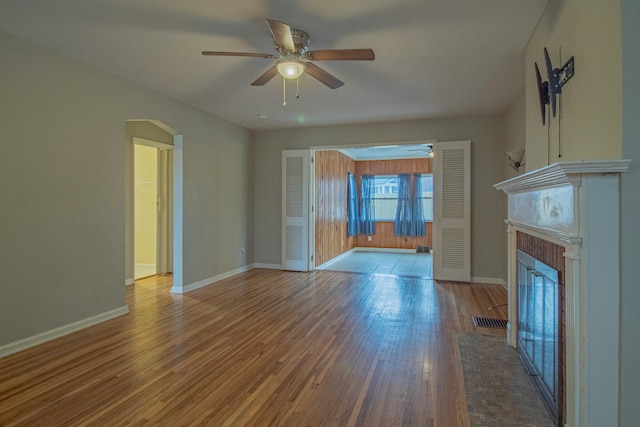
{"points": [[417, 217], [402, 225], [367, 209], [353, 217]]}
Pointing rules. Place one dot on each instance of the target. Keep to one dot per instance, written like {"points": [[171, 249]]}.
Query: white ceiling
{"points": [[434, 58]]}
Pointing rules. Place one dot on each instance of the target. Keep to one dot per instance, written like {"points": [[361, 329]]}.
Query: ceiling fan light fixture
{"points": [[290, 68]]}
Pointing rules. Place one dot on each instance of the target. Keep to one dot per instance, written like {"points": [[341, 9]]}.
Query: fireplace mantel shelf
{"points": [[561, 173]]}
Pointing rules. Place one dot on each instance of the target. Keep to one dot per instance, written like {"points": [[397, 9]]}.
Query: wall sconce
{"points": [[515, 159]]}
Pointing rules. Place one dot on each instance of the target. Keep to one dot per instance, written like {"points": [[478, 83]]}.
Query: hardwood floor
{"points": [[262, 348]]}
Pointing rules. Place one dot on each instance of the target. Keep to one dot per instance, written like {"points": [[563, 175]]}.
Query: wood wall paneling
{"points": [[331, 205], [384, 237]]}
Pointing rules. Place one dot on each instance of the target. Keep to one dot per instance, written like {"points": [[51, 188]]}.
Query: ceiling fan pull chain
{"points": [[298, 87], [284, 92]]}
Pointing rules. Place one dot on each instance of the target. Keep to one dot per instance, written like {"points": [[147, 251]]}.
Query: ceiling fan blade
{"points": [[342, 55], [322, 76], [266, 77], [255, 55], [281, 34]]}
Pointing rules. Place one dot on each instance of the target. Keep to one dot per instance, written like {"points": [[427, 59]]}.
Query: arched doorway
{"points": [[167, 143]]}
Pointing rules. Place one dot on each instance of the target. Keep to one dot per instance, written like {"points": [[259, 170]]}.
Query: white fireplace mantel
{"points": [[576, 205]]}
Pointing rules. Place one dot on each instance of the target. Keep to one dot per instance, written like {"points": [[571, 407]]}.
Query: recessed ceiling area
{"points": [[388, 152], [433, 58]]}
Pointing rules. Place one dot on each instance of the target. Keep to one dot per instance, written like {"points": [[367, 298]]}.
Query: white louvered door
{"points": [[452, 225], [295, 210]]}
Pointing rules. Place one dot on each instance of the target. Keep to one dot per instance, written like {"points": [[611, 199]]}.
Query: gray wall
{"points": [[515, 137], [486, 133], [514, 124], [587, 123], [62, 169], [630, 337]]}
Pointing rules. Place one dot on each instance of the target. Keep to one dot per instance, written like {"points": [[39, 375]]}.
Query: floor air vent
{"points": [[488, 322]]}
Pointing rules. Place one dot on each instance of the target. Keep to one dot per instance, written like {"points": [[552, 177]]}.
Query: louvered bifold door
{"points": [[452, 224], [295, 210]]}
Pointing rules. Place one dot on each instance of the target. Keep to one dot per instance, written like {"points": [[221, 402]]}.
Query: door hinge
{"points": [[311, 257]]}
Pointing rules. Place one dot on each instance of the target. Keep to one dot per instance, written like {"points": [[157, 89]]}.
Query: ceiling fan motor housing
{"points": [[300, 40]]}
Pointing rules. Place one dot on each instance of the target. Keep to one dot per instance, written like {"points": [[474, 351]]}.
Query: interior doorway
{"points": [[153, 204], [146, 211], [167, 145], [329, 197]]}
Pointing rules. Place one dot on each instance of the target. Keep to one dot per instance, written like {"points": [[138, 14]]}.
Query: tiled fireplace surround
{"points": [[575, 206]]}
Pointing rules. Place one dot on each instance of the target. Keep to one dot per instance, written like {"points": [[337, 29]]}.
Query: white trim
{"points": [[43, 337], [561, 173], [178, 185], [129, 282], [370, 249], [267, 266], [311, 201], [211, 280], [489, 281], [338, 258]]}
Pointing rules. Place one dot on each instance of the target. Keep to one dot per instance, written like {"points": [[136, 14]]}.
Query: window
{"points": [[386, 197], [427, 196]]}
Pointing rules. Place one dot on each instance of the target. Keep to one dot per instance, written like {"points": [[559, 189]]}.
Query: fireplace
{"points": [[556, 219], [539, 329]]}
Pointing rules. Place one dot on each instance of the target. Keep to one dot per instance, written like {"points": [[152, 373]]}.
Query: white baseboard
{"points": [[489, 281], [269, 266], [211, 280], [128, 282], [34, 340], [338, 258], [366, 249]]}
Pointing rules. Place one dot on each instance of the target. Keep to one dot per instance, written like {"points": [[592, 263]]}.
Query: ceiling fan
{"points": [[294, 56], [426, 151]]}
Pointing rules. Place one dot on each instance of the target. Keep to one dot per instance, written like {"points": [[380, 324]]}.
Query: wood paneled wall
{"points": [[393, 167], [331, 205], [384, 237]]}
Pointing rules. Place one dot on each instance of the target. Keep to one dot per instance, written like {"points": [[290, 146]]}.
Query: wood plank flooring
{"points": [[262, 348]]}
